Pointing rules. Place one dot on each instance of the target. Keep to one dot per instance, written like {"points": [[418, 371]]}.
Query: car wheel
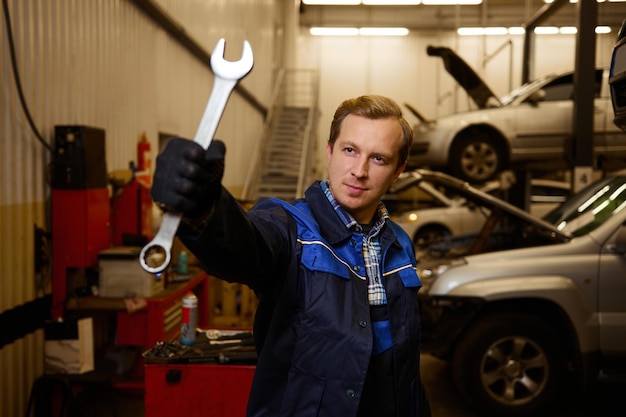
{"points": [[475, 157], [508, 364]]}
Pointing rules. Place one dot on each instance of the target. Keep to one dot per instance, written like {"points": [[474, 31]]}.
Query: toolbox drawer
{"points": [[214, 390]]}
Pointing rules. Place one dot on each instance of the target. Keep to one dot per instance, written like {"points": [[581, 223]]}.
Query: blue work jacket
{"points": [[312, 326]]}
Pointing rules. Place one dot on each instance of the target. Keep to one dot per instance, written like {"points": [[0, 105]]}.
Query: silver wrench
{"points": [[156, 255]]}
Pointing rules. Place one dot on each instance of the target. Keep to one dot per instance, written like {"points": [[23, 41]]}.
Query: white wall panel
{"points": [[104, 63]]}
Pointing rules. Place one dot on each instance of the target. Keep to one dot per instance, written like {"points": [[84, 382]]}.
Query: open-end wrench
{"points": [[156, 255]]}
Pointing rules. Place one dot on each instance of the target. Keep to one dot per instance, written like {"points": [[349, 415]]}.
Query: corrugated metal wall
{"points": [[104, 63]]}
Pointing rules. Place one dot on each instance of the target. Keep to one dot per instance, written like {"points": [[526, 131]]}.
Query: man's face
{"points": [[363, 163]]}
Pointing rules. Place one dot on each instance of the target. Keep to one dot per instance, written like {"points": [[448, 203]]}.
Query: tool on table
{"points": [[156, 255], [223, 347]]}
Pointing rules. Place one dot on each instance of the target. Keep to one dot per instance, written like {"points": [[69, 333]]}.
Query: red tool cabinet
{"points": [[158, 321], [192, 390], [161, 319]]}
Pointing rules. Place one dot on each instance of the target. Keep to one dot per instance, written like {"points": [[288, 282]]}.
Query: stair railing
{"points": [[276, 103], [297, 88]]}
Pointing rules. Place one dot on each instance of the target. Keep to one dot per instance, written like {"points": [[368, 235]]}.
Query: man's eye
{"points": [[350, 150]]}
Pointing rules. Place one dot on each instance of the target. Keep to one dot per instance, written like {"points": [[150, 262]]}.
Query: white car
{"points": [[531, 125], [429, 207]]}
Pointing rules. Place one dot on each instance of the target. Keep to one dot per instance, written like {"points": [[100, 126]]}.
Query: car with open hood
{"points": [[433, 207], [449, 217], [530, 125], [522, 326]]}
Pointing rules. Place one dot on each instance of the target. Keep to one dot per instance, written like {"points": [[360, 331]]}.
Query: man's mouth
{"points": [[355, 189]]}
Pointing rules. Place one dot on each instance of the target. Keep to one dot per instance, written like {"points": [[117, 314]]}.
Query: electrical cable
{"points": [[16, 76]]}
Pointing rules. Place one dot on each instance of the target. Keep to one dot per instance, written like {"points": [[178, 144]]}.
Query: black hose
{"points": [[16, 75]]}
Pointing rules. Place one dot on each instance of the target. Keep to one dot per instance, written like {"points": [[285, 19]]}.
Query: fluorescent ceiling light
{"points": [[317, 31], [389, 2], [516, 30], [540, 30], [546, 30], [475, 31], [450, 2], [496, 31], [599, 1], [383, 31], [367, 31], [332, 2]]}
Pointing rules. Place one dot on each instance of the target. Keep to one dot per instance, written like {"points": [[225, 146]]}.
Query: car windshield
{"points": [[590, 207], [521, 90]]}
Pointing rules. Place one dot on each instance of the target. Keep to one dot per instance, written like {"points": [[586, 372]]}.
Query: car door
{"points": [[544, 128]]}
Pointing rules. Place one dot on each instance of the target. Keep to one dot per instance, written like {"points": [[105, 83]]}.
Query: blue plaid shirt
{"points": [[371, 246]]}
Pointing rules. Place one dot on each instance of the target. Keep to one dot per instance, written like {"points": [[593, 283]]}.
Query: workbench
{"points": [[207, 389], [156, 319]]}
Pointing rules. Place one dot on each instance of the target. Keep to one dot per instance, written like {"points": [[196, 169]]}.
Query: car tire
{"points": [[509, 364], [476, 157]]}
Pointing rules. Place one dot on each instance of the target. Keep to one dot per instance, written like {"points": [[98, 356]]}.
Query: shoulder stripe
{"points": [[393, 271], [332, 252]]}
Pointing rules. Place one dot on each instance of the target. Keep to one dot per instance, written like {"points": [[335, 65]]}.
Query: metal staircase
{"points": [[285, 160]]}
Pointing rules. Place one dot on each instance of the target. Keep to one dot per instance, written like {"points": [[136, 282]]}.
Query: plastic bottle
{"points": [[183, 267], [189, 319]]}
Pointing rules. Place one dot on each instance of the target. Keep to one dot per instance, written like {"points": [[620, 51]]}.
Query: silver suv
{"points": [[518, 325]]}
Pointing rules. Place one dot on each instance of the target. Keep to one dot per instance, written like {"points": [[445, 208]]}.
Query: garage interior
{"points": [[125, 76]]}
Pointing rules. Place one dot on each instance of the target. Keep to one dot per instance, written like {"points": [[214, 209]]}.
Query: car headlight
{"points": [[404, 218], [430, 274], [426, 127]]}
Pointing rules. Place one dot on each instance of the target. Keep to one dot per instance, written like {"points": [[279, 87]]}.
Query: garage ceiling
{"points": [[505, 13]]}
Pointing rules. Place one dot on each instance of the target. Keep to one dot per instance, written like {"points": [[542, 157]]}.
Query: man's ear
{"points": [[329, 150]]}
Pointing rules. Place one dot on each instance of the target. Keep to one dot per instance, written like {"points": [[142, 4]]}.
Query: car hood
{"points": [[486, 273], [474, 195], [466, 77]]}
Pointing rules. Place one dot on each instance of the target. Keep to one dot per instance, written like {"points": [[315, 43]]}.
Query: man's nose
{"points": [[360, 168]]}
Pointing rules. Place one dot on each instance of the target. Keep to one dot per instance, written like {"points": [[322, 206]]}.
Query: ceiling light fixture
{"points": [[366, 31], [540, 30], [331, 2], [318, 31], [389, 2], [383, 31], [599, 1], [451, 2]]}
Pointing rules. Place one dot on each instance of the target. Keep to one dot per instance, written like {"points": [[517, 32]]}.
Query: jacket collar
{"points": [[332, 227]]}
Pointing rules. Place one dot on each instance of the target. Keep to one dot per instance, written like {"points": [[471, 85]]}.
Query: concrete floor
{"points": [[447, 402]]}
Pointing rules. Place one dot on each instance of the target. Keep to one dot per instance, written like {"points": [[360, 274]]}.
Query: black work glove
{"points": [[188, 179]]}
